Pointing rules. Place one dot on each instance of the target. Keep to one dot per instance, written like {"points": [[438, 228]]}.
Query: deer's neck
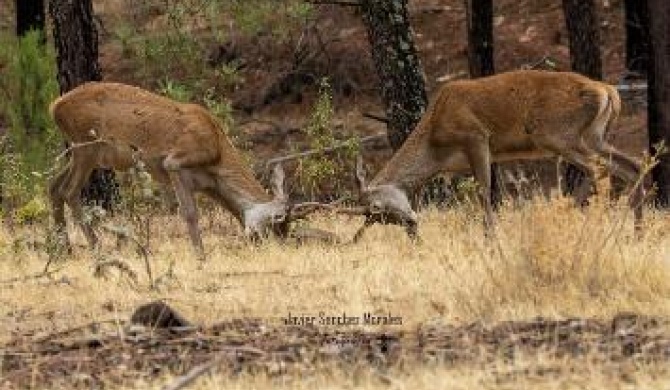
{"points": [[240, 191], [411, 166]]}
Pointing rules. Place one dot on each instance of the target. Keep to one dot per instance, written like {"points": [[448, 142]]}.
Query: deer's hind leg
{"points": [[628, 170], [618, 164], [577, 154], [183, 189], [479, 157]]}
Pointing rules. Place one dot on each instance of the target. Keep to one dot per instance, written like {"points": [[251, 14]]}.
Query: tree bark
{"points": [[584, 39], [480, 37], [29, 16], [659, 95], [402, 84], [76, 41], [479, 22], [637, 37], [397, 64]]}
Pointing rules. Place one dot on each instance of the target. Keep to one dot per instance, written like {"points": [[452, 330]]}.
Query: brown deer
{"points": [[524, 114], [112, 125]]}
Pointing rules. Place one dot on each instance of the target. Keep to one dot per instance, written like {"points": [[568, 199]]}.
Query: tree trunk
{"points": [[637, 37], [479, 23], [76, 41], [29, 16], [659, 94], [480, 37], [584, 38], [403, 87], [398, 67]]}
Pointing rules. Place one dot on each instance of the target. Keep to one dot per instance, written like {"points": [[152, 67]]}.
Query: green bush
{"points": [[325, 172], [27, 150]]}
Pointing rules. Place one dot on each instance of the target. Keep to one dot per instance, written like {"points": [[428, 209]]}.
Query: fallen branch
{"points": [[343, 3], [376, 117], [202, 369], [631, 87], [188, 378], [312, 152], [45, 273]]}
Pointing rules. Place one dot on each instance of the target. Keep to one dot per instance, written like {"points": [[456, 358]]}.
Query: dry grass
{"points": [[523, 375], [549, 259]]}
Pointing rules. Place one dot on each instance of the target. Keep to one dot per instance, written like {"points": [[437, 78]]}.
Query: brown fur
{"points": [[517, 115], [112, 125]]}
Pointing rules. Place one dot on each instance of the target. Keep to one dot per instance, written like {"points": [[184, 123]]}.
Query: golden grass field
{"points": [[548, 259]]}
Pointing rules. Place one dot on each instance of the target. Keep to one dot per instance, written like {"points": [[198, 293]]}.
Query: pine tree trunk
{"points": [[584, 39], [659, 94], [397, 64], [479, 23], [29, 16], [76, 41], [637, 36], [403, 87], [480, 37]]}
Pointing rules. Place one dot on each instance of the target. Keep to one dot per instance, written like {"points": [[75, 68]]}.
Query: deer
{"points": [[115, 126], [519, 115]]}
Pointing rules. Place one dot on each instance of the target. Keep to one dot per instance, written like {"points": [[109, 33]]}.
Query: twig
{"points": [[343, 3], [80, 145], [39, 275], [295, 156], [68, 331], [188, 378], [202, 369], [376, 117], [632, 87]]}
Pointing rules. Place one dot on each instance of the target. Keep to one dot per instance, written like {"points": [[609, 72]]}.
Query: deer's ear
{"points": [[360, 174], [278, 182]]}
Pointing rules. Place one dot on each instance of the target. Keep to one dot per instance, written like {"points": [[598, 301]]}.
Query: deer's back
{"points": [[511, 106], [129, 115]]}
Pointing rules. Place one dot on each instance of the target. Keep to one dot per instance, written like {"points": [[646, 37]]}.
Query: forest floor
{"points": [[561, 297]]}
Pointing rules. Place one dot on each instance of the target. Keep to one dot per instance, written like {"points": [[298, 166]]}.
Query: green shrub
{"points": [[27, 87], [324, 172]]}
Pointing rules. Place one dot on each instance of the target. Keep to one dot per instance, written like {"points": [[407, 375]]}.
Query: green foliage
{"points": [[254, 17], [323, 172], [221, 109], [176, 91], [171, 45], [27, 87], [35, 210]]}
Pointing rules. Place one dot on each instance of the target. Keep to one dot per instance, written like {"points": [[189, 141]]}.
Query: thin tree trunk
{"points": [[659, 94], [76, 41], [479, 23], [582, 24], [480, 37], [637, 36], [403, 87], [29, 16]]}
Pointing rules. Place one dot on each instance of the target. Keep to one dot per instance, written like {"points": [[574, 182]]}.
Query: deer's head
{"points": [[385, 203], [262, 218]]}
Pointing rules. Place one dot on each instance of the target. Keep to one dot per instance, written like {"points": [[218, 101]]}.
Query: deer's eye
{"points": [[376, 207]]}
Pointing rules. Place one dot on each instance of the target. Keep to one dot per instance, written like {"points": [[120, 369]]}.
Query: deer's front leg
{"points": [[188, 209], [75, 179], [57, 199], [359, 233]]}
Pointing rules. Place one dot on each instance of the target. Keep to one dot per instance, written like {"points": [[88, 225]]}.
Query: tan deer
{"points": [[524, 114], [114, 125]]}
